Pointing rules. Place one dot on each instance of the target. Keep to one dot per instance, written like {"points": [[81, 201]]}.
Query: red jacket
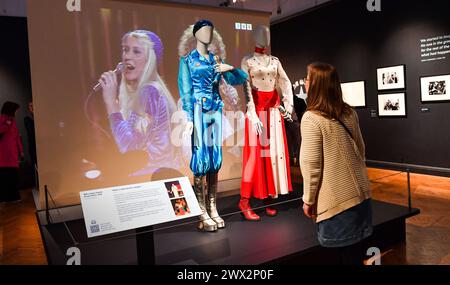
{"points": [[10, 142]]}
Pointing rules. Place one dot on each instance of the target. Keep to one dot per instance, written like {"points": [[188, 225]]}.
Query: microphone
{"points": [[217, 59], [119, 68], [219, 74]]}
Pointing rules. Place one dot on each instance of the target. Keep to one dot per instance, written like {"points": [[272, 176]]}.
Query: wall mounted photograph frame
{"points": [[391, 78], [435, 88], [354, 93], [392, 105]]}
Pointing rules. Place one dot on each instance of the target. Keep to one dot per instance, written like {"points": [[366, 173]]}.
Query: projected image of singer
{"points": [[139, 106]]}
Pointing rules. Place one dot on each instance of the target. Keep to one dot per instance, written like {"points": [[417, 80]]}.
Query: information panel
{"points": [[121, 208]]}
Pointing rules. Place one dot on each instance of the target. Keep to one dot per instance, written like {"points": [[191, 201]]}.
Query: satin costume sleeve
{"points": [[285, 87], [185, 88], [235, 76], [143, 131]]}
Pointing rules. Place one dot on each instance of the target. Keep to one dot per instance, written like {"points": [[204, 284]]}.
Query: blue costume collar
{"points": [[196, 54]]}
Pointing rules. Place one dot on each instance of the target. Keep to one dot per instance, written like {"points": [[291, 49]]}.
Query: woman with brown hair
{"points": [[332, 158]]}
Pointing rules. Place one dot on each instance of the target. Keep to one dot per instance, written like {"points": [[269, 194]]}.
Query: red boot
{"points": [[269, 210], [244, 206]]}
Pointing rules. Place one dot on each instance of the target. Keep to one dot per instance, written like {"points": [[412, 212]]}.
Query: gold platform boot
{"points": [[206, 223], [211, 205]]}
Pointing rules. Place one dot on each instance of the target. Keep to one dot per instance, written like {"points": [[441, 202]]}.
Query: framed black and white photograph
{"points": [[392, 105], [435, 88], [391, 78], [354, 93]]}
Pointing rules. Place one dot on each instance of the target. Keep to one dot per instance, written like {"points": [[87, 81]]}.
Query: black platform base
{"points": [[288, 238]]}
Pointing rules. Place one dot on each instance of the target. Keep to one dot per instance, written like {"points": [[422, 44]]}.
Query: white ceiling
{"points": [[279, 8]]}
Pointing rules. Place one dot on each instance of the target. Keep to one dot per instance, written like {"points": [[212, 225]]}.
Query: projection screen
{"points": [[73, 42]]}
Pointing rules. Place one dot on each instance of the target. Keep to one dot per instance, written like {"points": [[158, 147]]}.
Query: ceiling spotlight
{"points": [[279, 7], [225, 3]]}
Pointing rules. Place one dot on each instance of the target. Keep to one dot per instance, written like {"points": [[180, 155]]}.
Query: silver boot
{"points": [[206, 223], [211, 205]]}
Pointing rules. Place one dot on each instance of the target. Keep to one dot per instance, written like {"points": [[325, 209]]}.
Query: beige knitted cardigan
{"points": [[332, 164]]}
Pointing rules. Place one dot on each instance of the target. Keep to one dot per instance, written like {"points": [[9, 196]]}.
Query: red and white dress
{"points": [[265, 168]]}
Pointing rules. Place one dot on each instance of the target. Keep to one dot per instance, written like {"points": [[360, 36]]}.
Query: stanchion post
{"points": [[409, 189], [47, 213]]}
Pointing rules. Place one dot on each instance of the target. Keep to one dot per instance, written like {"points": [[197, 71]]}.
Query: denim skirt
{"points": [[347, 228]]}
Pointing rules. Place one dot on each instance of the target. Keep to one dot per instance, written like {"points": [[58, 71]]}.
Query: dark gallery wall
{"points": [[15, 80], [345, 34]]}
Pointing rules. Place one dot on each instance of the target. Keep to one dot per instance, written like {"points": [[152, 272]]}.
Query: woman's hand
{"points": [[223, 67], [309, 211], [108, 81]]}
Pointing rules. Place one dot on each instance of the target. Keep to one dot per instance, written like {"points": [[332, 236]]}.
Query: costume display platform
{"points": [[288, 238]]}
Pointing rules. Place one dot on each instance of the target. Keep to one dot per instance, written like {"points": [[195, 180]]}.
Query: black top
{"points": [[29, 126], [299, 104]]}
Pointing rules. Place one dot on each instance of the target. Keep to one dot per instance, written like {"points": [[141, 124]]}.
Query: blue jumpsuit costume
{"points": [[198, 84]]}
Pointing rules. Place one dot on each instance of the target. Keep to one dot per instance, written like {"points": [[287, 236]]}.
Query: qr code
{"points": [[95, 228]]}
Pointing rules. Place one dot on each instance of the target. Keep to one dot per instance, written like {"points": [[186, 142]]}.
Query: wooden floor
{"points": [[20, 239], [428, 234]]}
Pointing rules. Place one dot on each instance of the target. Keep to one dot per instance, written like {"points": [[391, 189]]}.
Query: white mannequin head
{"points": [[205, 35], [261, 35], [203, 31]]}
